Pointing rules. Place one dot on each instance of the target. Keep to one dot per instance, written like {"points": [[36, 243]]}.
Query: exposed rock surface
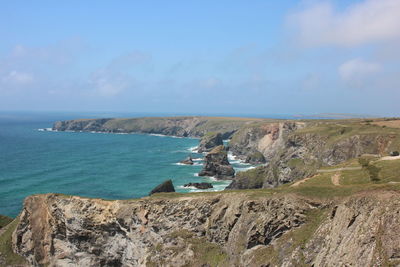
{"points": [[199, 185], [228, 229], [209, 141], [165, 187], [216, 164], [255, 158], [297, 150], [173, 126], [187, 161]]}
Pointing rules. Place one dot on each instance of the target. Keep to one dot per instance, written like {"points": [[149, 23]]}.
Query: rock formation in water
{"points": [[255, 158], [216, 164], [209, 141], [164, 187], [199, 185], [187, 161]]}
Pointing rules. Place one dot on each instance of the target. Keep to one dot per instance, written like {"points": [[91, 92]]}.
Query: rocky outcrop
{"points": [[209, 141], [300, 149], [266, 138], [196, 126], [165, 187], [199, 185], [255, 158], [216, 164], [187, 161], [230, 229]]}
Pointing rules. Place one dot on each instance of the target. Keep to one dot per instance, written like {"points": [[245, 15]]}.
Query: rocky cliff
{"points": [[173, 126], [296, 150], [225, 229]]}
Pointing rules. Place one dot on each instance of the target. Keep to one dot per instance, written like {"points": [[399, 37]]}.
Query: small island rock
{"points": [[216, 164], [187, 161], [199, 185], [255, 158]]}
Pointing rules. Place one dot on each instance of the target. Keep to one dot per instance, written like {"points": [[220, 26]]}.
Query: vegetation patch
{"points": [[6, 252], [297, 238], [205, 253], [4, 220]]}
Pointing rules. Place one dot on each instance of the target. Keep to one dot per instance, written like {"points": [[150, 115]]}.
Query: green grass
{"points": [[6, 252], [291, 240], [4, 220], [336, 131]]}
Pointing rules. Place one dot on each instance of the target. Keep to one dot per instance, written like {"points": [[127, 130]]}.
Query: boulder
{"points": [[209, 141], [199, 185], [216, 164], [187, 161], [255, 158], [165, 187]]}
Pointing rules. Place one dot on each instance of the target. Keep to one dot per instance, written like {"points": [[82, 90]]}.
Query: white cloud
{"points": [[362, 23], [357, 72], [17, 78], [109, 84]]}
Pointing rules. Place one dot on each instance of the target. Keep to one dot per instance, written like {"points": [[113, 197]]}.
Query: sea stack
{"points": [[216, 164], [209, 141], [255, 158], [187, 161]]}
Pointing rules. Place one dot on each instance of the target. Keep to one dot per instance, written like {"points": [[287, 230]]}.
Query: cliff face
{"points": [[266, 138], [297, 150], [231, 229], [174, 126]]}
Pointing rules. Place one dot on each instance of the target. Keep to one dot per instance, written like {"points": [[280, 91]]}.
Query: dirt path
{"points": [[302, 181], [390, 158], [335, 179], [340, 169]]}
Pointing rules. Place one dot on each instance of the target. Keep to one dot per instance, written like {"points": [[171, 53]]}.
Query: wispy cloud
{"points": [[361, 23], [356, 72]]}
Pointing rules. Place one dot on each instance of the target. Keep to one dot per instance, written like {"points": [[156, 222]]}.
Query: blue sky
{"points": [[228, 57]]}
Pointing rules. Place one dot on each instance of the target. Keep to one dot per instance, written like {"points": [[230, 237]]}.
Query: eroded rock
{"points": [[216, 164]]}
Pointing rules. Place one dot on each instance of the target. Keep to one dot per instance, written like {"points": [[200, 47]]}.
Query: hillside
{"points": [[321, 221], [173, 126]]}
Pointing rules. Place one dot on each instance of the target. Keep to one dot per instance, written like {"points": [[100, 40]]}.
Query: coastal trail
{"points": [[335, 179], [340, 169]]}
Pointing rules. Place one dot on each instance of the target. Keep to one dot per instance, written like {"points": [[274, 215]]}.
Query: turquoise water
{"points": [[110, 166]]}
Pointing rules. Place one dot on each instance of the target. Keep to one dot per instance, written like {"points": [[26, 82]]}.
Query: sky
{"points": [[201, 57]]}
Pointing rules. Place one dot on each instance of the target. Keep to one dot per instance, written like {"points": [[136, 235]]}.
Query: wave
{"points": [[183, 164], [46, 130], [193, 149], [245, 169], [197, 159]]}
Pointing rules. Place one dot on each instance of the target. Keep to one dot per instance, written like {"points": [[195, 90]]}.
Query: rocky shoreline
{"points": [[292, 149], [314, 222]]}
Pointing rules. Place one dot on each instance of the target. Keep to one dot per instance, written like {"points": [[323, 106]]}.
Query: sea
{"points": [[36, 160]]}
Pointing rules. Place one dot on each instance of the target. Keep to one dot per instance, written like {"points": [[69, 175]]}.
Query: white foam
{"points": [[194, 149], [245, 169], [180, 164], [45, 130], [197, 159], [183, 164], [159, 135]]}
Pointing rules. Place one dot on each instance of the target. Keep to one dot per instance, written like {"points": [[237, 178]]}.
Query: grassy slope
{"points": [[6, 253], [4, 220]]}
